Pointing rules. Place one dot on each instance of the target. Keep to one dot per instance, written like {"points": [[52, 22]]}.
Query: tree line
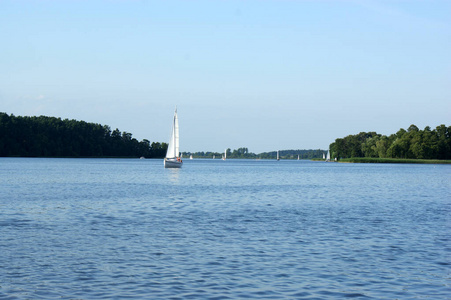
{"points": [[53, 137], [412, 143], [293, 154], [243, 152]]}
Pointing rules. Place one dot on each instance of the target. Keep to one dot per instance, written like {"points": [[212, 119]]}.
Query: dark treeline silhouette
{"points": [[412, 143], [53, 137]]}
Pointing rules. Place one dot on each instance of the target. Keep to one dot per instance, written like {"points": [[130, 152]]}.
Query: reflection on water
{"points": [[173, 174]]}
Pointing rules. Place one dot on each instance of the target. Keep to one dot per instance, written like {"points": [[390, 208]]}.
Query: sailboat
{"points": [[328, 155], [191, 156], [298, 156], [224, 156], [172, 159], [278, 155]]}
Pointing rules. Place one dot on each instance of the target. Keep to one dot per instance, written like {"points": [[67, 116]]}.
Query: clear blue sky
{"points": [[266, 75]]}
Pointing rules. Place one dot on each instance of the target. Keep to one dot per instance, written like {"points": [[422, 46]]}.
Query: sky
{"points": [[261, 74]]}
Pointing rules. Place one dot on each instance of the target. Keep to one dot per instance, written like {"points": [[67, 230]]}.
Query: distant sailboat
{"points": [[328, 155], [191, 156], [324, 156], [214, 157], [224, 156], [298, 156], [278, 155], [172, 159]]}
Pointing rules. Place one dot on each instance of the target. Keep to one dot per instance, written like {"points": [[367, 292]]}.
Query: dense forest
{"points": [[412, 143], [52, 137]]}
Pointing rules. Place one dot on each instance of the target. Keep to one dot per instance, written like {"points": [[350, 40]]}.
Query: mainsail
{"points": [[173, 147]]}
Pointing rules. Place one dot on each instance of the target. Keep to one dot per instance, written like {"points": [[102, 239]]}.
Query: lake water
{"points": [[235, 229]]}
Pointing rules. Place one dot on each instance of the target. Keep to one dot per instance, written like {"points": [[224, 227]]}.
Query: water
{"points": [[235, 229]]}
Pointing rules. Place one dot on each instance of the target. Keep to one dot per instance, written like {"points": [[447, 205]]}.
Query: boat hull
{"points": [[172, 163]]}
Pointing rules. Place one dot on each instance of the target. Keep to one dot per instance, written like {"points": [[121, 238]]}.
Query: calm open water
{"points": [[235, 229]]}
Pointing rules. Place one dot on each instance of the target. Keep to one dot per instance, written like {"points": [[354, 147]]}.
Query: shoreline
{"points": [[393, 160]]}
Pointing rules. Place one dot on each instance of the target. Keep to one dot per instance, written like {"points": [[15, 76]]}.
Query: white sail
{"points": [[173, 147], [277, 154], [173, 159], [328, 155]]}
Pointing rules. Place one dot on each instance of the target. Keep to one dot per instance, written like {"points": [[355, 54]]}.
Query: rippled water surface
{"points": [[235, 229]]}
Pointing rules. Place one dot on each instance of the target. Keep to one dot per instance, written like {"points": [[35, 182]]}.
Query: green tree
{"points": [[49, 136]]}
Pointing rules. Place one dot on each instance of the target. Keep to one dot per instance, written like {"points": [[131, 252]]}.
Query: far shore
{"points": [[390, 160]]}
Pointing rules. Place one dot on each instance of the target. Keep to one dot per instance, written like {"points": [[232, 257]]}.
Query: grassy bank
{"points": [[393, 160]]}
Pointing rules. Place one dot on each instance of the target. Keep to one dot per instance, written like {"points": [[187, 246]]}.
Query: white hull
{"points": [[172, 163]]}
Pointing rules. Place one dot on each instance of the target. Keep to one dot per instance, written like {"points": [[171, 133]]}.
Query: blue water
{"points": [[235, 229]]}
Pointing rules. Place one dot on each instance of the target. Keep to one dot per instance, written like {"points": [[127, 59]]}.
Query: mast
{"points": [[176, 134]]}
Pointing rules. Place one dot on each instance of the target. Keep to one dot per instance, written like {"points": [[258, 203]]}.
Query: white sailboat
{"points": [[172, 159], [224, 156], [298, 156], [191, 156], [328, 155], [278, 155]]}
